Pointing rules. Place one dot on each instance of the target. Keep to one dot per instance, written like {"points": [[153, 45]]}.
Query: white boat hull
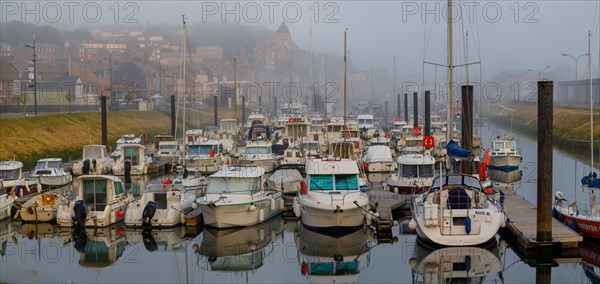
{"points": [[380, 167], [334, 214], [41, 208], [6, 202], [170, 216], [268, 165], [241, 214], [95, 219], [485, 223]]}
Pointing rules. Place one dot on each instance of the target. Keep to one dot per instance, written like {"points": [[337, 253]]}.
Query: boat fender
{"points": [[252, 208], [303, 188], [304, 268], [554, 213], [412, 224], [281, 204], [468, 263], [297, 211], [148, 213], [261, 215], [468, 225], [272, 204]]}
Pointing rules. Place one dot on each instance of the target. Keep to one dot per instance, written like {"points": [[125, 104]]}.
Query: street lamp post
{"points": [[34, 76], [576, 59], [539, 72]]}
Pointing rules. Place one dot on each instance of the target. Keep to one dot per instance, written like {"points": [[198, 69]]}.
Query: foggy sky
{"points": [[524, 35]]}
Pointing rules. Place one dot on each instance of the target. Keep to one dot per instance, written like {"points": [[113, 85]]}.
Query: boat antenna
{"points": [[345, 67], [449, 115], [591, 102], [184, 39], [237, 131]]}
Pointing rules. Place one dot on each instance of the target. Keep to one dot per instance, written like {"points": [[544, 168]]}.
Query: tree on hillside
{"points": [[70, 97]]}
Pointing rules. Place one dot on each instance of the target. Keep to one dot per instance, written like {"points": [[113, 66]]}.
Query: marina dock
{"points": [[388, 204], [522, 225]]}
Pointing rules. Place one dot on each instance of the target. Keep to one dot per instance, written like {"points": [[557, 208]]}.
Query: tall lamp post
{"points": [[539, 72], [576, 59], [34, 76], [112, 100]]}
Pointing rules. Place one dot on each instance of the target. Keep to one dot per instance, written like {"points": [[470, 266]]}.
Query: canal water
{"points": [[281, 250]]}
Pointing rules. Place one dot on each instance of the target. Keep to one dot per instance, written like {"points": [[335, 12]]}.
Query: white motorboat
{"points": [[204, 155], [333, 200], [135, 158], [50, 173], [456, 264], [235, 198], [505, 155], [285, 180], [6, 203], [379, 159], [328, 259], [414, 176], [101, 201], [41, 207], [259, 154], [311, 148], [13, 183], [125, 139], [161, 206], [95, 160], [192, 180], [412, 145], [384, 141], [168, 151], [456, 211]]}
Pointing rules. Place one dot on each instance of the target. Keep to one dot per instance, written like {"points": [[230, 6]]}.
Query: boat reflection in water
{"points": [[456, 264], [327, 259], [97, 247], [6, 230], [38, 230], [505, 176], [167, 240], [590, 253], [238, 249], [136, 186]]}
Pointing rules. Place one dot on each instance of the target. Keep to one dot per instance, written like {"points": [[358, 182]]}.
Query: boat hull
{"points": [[96, 219], [407, 186], [240, 215], [380, 167], [6, 202], [168, 217], [334, 216], [505, 162], [587, 227]]}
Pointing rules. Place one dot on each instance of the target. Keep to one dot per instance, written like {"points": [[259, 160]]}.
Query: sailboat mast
{"points": [[183, 78], [449, 118], [591, 102], [345, 67]]}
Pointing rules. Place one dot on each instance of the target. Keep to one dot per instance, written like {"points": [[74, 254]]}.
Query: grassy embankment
{"points": [[63, 135], [569, 124]]}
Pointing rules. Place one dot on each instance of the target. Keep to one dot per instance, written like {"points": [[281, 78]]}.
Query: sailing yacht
{"points": [[584, 218]]}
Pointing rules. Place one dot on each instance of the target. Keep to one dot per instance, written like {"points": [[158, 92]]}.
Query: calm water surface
{"points": [[278, 251]]}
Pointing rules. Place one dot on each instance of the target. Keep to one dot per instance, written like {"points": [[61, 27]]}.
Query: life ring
{"points": [[428, 142], [417, 131]]}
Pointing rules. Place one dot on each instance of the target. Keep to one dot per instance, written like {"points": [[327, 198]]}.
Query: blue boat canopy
{"points": [[455, 150], [594, 182]]}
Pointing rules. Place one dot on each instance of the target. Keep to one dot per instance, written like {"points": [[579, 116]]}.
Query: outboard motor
{"points": [[148, 213], [149, 241], [80, 240], [127, 168], [79, 214], [86, 167]]}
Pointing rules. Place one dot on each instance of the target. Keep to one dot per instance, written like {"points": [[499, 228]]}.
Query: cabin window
{"points": [[9, 174], [118, 188], [409, 171], [499, 145], [426, 171], [258, 150], [233, 184], [510, 144], [95, 194], [167, 148], [338, 268], [321, 182], [132, 154], [93, 152], [346, 182]]}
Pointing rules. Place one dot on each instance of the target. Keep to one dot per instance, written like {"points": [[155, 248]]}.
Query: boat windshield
{"points": [[200, 149], [499, 145], [258, 150], [414, 143], [233, 185], [311, 146], [9, 174], [336, 268], [93, 152], [95, 194], [365, 121], [326, 182], [457, 180], [413, 171], [334, 128], [48, 164], [167, 147]]}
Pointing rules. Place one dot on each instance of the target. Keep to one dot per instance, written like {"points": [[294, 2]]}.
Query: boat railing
{"points": [[336, 193]]}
